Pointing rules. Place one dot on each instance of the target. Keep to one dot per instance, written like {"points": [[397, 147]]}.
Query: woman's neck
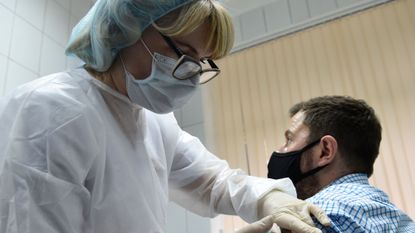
{"points": [[113, 77]]}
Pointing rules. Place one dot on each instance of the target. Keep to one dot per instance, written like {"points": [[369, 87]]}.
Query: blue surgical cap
{"points": [[112, 25]]}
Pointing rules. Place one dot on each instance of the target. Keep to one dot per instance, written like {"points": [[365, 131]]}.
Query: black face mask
{"points": [[282, 165]]}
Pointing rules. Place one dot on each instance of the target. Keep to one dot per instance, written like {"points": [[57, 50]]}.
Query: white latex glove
{"points": [[262, 226], [291, 213]]}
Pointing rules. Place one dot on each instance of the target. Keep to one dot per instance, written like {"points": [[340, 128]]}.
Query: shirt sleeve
{"points": [[357, 216], [44, 160], [342, 224], [204, 184]]}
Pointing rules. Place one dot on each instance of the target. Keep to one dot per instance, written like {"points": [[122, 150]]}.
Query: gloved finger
{"points": [[275, 229], [319, 214], [303, 215], [261, 226], [290, 222], [306, 219], [265, 223]]}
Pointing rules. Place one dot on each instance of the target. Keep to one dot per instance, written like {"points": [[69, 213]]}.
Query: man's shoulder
{"points": [[358, 206], [349, 196]]}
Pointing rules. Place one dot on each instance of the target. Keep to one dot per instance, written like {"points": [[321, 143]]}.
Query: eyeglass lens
{"points": [[187, 69]]}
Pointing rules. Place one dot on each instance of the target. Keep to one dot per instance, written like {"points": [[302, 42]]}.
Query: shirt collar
{"points": [[360, 178]]}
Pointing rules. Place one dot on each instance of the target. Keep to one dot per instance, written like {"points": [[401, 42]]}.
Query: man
{"points": [[331, 146]]}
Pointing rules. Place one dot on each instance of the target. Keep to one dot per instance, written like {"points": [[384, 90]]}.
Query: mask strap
{"points": [[311, 172], [123, 65], [122, 62], [290, 153], [311, 145], [148, 50], [314, 170]]}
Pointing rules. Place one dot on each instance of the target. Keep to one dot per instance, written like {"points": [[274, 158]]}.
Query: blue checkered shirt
{"points": [[353, 205]]}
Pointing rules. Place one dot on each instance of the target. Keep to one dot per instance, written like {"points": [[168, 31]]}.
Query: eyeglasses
{"points": [[187, 67]]}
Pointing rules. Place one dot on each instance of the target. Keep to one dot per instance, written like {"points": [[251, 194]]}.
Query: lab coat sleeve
{"points": [[204, 184], [44, 160]]}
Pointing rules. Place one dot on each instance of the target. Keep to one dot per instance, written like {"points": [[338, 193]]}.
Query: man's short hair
{"points": [[352, 122]]}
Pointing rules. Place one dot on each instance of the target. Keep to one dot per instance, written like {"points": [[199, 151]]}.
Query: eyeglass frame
{"points": [[184, 58]]}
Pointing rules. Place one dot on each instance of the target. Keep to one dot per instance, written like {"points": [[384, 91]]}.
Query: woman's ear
{"points": [[328, 146]]}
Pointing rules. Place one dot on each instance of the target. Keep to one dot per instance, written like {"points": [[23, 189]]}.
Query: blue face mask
{"points": [[160, 92]]}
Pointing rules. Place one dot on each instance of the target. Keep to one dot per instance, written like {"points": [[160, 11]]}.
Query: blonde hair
{"points": [[190, 16], [112, 25]]}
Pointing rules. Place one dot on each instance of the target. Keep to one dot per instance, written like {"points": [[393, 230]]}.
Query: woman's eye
{"points": [[187, 51], [190, 53]]}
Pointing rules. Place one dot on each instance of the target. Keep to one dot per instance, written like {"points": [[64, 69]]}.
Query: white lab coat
{"points": [[76, 156]]}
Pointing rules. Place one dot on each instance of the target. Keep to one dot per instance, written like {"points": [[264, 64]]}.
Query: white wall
{"points": [[34, 36], [263, 20]]}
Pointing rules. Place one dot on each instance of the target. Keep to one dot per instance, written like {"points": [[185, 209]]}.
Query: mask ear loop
{"points": [[122, 63], [123, 66], [148, 50], [145, 46], [312, 171]]}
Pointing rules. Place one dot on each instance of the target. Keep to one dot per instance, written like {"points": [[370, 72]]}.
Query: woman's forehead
{"points": [[198, 39]]}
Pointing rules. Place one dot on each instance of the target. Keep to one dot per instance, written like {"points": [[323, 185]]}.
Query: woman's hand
{"points": [[262, 226], [291, 213]]}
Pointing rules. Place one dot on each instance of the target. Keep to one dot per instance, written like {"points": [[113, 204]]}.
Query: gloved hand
{"points": [[262, 226], [291, 213]]}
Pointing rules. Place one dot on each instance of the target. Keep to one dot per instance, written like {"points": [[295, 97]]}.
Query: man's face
{"points": [[296, 138], [296, 135]]}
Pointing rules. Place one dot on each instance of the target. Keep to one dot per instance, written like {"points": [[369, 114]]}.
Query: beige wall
{"points": [[368, 55]]}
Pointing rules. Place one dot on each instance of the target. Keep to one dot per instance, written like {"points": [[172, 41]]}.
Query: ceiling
{"points": [[237, 7]]}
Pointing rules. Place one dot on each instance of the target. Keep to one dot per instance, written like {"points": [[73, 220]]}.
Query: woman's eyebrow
{"points": [[188, 46]]}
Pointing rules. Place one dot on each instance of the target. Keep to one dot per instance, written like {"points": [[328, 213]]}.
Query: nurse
{"points": [[97, 149]]}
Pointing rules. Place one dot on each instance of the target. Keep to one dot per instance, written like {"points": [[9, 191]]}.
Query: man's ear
{"points": [[328, 146]]}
